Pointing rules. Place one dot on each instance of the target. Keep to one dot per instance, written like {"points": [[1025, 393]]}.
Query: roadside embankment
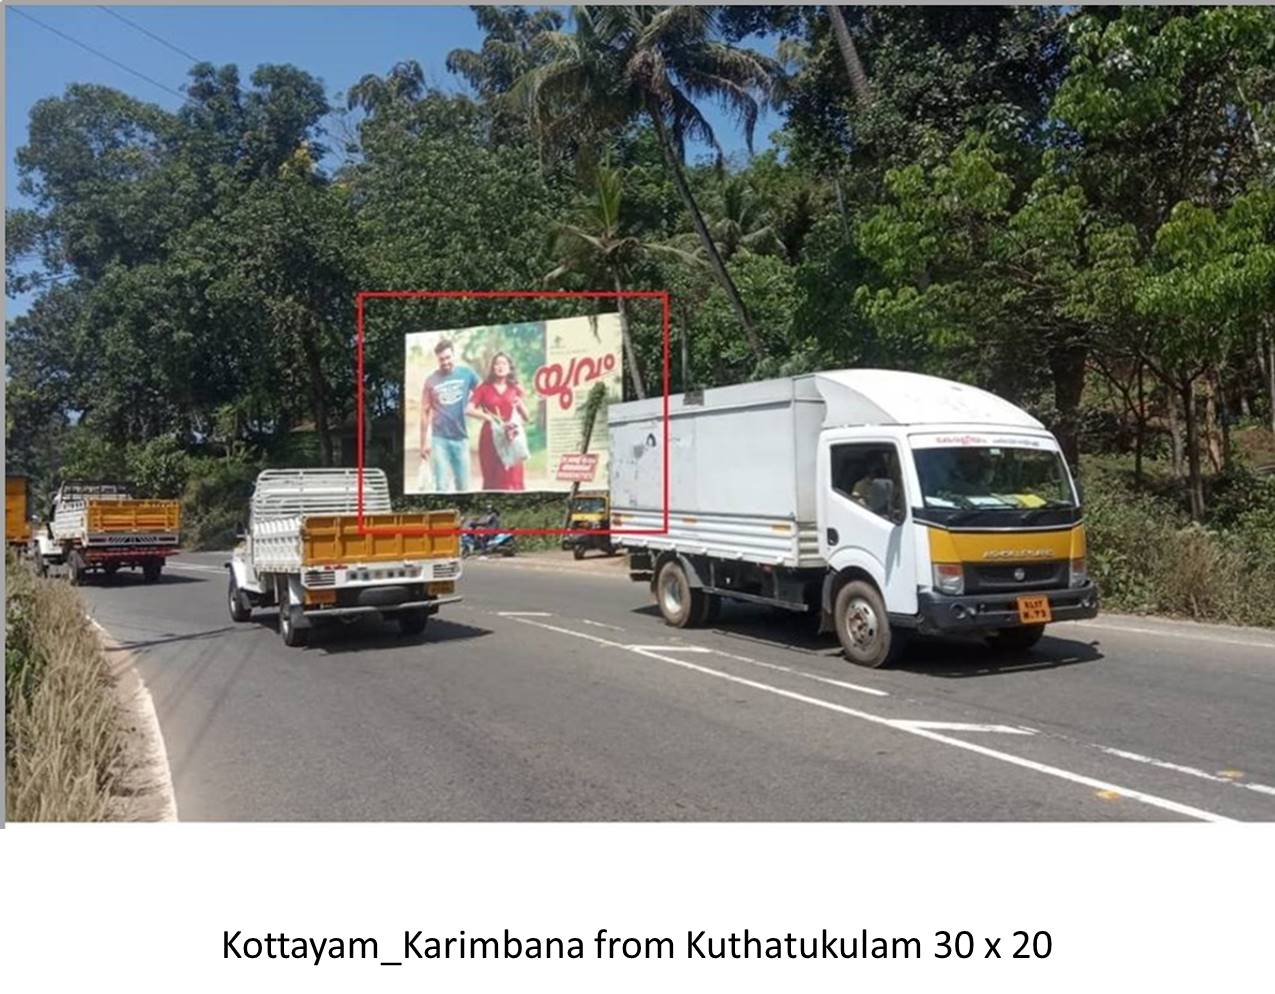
{"points": [[77, 745]]}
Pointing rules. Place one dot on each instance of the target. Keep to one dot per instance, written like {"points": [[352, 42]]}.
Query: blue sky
{"points": [[337, 44]]}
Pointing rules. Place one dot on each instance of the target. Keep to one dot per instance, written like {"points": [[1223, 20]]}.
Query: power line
{"points": [[100, 55], [149, 34]]}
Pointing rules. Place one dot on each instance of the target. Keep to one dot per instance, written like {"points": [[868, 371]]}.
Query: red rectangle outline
{"points": [[365, 295]]}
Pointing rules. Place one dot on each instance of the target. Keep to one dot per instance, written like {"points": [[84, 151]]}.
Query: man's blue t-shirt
{"points": [[448, 395]]}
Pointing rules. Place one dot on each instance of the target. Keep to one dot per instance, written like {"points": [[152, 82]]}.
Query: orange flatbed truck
{"points": [[102, 527], [303, 554], [17, 516]]}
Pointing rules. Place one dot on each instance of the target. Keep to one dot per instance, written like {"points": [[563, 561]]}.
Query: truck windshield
{"points": [[975, 477]]}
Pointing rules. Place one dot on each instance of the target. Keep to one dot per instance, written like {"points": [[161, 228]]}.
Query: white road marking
{"points": [[1261, 788], [1165, 633], [599, 624], [525, 614], [196, 567], [962, 726], [669, 648], [1054, 771], [801, 673], [158, 757]]}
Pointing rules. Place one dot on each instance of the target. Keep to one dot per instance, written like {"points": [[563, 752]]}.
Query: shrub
{"points": [[1148, 557], [63, 741], [215, 503]]}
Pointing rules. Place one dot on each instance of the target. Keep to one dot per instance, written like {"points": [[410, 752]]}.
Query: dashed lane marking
{"points": [[1226, 776], [1151, 800]]}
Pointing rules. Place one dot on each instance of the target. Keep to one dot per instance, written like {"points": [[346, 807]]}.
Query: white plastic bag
{"points": [[510, 450]]}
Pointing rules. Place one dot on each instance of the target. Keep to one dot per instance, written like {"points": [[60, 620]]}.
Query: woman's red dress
{"points": [[501, 404]]}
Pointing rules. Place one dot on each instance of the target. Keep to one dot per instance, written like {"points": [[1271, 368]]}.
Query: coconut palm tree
{"points": [[628, 62], [850, 56], [595, 243], [743, 222]]}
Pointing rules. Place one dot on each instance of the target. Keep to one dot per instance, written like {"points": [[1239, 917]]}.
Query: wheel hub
{"points": [[861, 623]]}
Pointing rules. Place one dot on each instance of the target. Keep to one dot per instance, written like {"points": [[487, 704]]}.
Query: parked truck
{"points": [[303, 553], [17, 515], [102, 527], [887, 502]]}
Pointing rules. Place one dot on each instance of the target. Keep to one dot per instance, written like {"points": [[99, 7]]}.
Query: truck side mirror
{"points": [[241, 532]]}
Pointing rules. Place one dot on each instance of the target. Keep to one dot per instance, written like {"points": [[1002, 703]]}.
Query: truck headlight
{"points": [[949, 578], [1079, 572]]}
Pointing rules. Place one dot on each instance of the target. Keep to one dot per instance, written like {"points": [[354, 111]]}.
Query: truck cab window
{"points": [[868, 474]]}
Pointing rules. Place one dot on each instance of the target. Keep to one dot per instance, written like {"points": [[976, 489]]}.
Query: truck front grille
{"points": [[447, 569], [980, 577], [320, 578]]}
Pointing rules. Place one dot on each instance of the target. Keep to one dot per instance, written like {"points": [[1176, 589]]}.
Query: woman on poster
{"points": [[497, 400]]}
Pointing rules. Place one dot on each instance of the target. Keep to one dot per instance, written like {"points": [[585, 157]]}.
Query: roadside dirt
{"points": [[145, 788]]}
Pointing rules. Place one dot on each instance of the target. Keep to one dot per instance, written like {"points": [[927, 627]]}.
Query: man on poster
{"points": [[444, 435]]}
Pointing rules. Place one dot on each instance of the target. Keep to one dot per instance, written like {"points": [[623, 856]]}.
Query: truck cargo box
{"points": [[741, 471]]}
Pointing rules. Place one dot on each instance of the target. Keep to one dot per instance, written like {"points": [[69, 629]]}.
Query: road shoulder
{"points": [[145, 790]]}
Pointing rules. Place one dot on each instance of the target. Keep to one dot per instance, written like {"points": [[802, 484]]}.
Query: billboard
{"points": [[498, 407]]}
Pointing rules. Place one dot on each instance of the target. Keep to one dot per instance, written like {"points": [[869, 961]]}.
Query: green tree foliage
{"points": [[1072, 207]]}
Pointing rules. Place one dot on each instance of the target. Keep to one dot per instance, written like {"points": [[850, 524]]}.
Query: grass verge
{"points": [[64, 744]]}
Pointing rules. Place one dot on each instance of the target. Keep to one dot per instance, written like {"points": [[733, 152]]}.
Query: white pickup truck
{"points": [[103, 527], [887, 502], [304, 553]]}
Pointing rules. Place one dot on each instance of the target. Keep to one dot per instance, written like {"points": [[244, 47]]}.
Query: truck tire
{"points": [[1020, 638], [681, 604], [863, 627], [292, 635], [240, 606], [413, 620], [151, 570]]}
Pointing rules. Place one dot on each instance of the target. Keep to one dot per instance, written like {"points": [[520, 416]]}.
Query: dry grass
{"points": [[64, 743]]}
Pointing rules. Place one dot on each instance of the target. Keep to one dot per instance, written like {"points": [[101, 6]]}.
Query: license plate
{"points": [[1034, 610]]}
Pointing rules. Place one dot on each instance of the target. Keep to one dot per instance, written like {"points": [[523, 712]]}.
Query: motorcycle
{"points": [[501, 543]]}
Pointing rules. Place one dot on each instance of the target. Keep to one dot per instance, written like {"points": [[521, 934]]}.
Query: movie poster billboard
{"points": [[500, 407]]}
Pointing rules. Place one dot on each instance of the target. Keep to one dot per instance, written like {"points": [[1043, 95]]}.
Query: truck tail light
{"points": [[1079, 572], [949, 578]]}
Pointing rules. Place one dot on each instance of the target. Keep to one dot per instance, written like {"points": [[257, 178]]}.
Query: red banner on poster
{"points": [[578, 467]]}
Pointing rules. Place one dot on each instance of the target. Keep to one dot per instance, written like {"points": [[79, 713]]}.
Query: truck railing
{"points": [[284, 493]]}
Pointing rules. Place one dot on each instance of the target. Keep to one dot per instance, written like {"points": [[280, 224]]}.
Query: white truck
{"points": [[888, 502], [304, 553], [97, 526]]}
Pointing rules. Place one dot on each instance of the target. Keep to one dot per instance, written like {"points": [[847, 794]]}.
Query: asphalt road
{"points": [[556, 693]]}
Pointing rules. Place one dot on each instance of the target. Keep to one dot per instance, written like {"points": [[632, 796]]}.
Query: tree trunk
{"points": [[1270, 369], [626, 340], [1140, 429], [685, 343], [1195, 482], [318, 398], [850, 56], [1067, 364], [701, 229]]}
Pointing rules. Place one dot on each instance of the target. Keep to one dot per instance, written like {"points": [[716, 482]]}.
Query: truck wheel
{"points": [[290, 633], [681, 604], [577, 551], [413, 620], [1020, 638], [151, 570], [863, 627], [240, 606]]}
